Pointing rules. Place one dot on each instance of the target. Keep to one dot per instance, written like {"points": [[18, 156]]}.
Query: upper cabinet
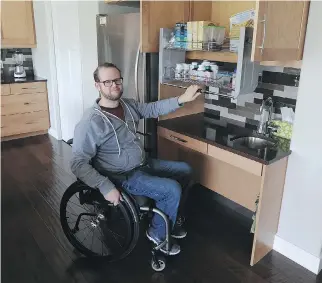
{"points": [[17, 24], [279, 26], [279, 30], [160, 14]]}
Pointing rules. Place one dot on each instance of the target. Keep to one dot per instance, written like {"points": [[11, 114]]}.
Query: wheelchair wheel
{"points": [[94, 226]]}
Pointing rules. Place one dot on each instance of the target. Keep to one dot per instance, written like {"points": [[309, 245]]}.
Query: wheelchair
{"points": [[97, 228]]}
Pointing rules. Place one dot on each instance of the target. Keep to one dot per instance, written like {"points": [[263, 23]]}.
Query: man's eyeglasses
{"points": [[109, 83]]}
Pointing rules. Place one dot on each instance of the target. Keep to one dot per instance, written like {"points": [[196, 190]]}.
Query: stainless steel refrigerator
{"points": [[118, 42]]}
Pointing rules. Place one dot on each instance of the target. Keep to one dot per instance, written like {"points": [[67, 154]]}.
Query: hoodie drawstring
{"points": [[130, 114], [117, 140]]}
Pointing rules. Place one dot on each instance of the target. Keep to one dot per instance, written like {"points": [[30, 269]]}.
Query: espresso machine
{"points": [[19, 71]]}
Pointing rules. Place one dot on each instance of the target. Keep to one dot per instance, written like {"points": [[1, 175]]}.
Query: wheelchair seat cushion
{"points": [[142, 200]]}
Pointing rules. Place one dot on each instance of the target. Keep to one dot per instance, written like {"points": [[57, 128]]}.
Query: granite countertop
{"points": [[220, 131], [27, 79]]}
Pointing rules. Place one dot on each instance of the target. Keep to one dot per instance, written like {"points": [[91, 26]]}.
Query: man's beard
{"points": [[113, 97]]}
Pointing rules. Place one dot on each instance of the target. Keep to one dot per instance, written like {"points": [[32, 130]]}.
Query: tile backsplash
{"points": [[9, 64], [277, 82]]}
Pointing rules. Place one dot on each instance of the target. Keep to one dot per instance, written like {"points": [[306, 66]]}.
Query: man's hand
{"points": [[191, 94], [113, 196]]}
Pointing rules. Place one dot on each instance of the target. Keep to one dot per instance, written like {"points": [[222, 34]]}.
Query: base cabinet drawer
{"points": [[23, 103], [28, 87], [24, 123], [234, 159], [183, 140]]}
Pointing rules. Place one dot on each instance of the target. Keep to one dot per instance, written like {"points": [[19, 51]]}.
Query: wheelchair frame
{"points": [[157, 263]]}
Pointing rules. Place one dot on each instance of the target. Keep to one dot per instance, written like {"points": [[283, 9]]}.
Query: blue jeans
{"points": [[162, 181]]}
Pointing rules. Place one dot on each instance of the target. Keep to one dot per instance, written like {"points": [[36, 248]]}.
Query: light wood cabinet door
{"points": [[24, 123], [169, 150], [194, 107], [23, 103], [200, 10], [160, 14], [33, 87], [183, 140], [223, 10], [24, 110], [17, 24], [279, 30]]}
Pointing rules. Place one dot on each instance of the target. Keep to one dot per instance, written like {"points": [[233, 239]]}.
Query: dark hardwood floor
{"points": [[35, 173]]}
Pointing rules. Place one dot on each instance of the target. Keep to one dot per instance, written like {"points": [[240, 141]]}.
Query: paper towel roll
{"points": [[287, 114]]}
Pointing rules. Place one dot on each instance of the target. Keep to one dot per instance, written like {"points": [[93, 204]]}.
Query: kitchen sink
{"points": [[254, 142]]}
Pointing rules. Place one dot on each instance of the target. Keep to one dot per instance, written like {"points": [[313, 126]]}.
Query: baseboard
{"points": [[53, 133], [298, 255]]}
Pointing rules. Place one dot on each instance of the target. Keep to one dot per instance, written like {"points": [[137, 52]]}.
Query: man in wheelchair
{"points": [[108, 155]]}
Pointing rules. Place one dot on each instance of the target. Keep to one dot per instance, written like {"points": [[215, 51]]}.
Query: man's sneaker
{"points": [[178, 231], [174, 250]]}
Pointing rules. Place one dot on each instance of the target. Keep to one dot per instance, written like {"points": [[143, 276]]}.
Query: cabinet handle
{"points": [[264, 33], [26, 103], [178, 139], [33, 87]]}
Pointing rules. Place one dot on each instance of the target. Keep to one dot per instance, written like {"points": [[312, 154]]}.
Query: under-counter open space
{"points": [[252, 179]]}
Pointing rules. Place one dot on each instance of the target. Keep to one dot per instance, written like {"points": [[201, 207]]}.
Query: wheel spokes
{"points": [[85, 218]]}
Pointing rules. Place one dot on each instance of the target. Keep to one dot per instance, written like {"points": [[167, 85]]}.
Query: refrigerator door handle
{"points": [[137, 74]]}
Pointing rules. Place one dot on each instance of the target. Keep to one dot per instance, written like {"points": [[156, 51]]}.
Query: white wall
{"points": [[74, 25], [44, 61], [87, 11], [301, 213], [69, 64], [66, 55]]}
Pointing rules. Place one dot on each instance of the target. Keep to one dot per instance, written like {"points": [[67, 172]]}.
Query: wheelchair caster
{"points": [[158, 264]]}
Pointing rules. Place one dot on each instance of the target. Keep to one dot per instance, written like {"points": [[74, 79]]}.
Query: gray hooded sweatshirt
{"points": [[104, 145]]}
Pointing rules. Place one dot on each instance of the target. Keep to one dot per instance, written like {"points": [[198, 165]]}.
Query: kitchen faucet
{"points": [[266, 112]]}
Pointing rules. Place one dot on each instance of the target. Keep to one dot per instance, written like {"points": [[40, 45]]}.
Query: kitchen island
{"points": [[252, 177]]}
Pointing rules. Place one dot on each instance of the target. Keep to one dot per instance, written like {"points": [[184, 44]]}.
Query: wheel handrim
{"points": [[102, 230]]}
